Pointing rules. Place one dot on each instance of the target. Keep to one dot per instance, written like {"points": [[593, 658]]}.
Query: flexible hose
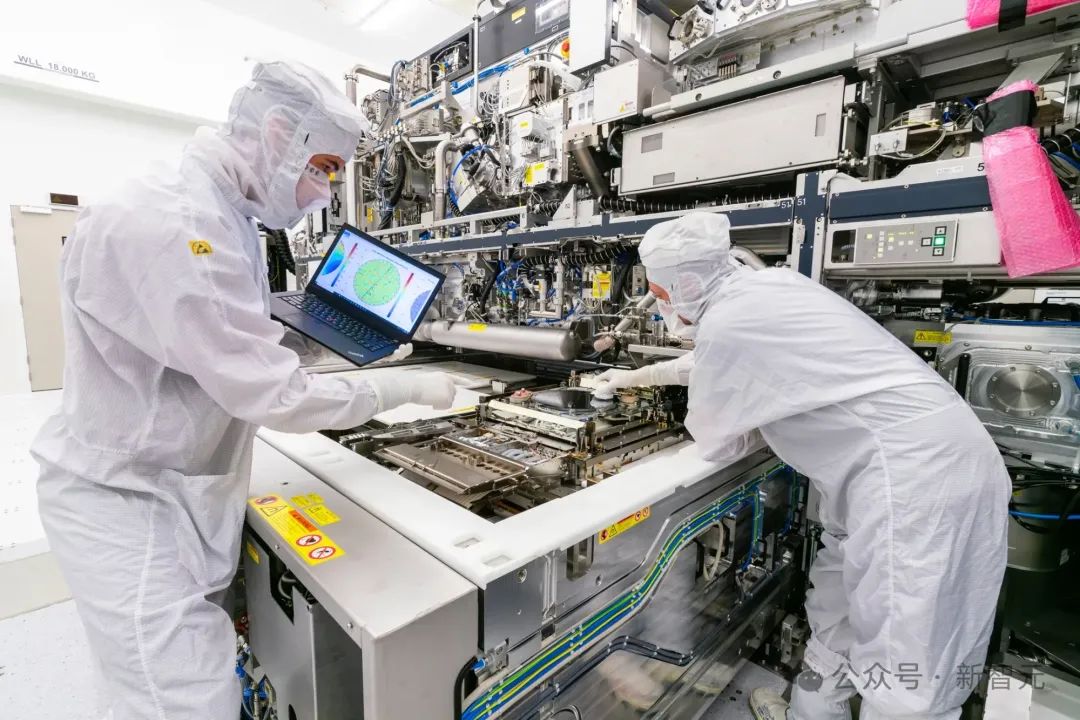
{"points": [[596, 257], [609, 204]]}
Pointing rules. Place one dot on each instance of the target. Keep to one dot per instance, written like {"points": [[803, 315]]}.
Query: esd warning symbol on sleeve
{"points": [[200, 247]]}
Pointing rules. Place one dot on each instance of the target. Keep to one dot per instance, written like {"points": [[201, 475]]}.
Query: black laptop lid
{"points": [[381, 286]]}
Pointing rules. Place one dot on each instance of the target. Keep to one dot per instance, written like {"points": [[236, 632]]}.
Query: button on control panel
{"points": [[933, 242]]}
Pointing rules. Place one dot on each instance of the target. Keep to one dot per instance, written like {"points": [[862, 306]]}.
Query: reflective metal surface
{"points": [[1024, 390]]}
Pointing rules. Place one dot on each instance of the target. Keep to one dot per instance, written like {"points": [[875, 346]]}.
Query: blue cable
{"points": [[1075, 165], [453, 173], [1041, 516]]}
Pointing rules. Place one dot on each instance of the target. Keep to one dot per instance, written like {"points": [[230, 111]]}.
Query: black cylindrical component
{"points": [[963, 371], [598, 184], [493, 275]]}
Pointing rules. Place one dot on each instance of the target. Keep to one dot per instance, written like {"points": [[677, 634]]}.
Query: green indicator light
{"points": [[939, 242]]}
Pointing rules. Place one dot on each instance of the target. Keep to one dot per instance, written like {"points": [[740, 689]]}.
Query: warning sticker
{"points": [[477, 327], [322, 514], [601, 285], [305, 538], [200, 247], [932, 337], [625, 524], [253, 552], [305, 500]]}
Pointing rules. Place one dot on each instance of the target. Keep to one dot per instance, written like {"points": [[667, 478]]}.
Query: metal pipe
{"points": [[440, 177], [748, 258], [593, 176], [642, 305], [361, 70], [476, 59], [607, 341], [531, 342]]}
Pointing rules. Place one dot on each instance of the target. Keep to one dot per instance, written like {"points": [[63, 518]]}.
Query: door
{"points": [[39, 238]]}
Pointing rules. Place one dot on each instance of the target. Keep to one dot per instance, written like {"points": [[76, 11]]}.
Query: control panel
{"points": [[894, 244]]}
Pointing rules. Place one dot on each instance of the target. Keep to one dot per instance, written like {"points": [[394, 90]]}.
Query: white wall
{"points": [[160, 68], [66, 147]]}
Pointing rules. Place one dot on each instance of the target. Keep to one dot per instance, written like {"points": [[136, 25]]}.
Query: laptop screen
{"points": [[369, 275]]}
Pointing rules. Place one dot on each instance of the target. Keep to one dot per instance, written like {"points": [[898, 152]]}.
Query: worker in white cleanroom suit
{"points": [[172, 363], [914, 494]]}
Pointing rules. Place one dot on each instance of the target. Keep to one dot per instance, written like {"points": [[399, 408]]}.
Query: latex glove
{"points": [[398, 355], [672, 372], [613, 380], [435, 389]]}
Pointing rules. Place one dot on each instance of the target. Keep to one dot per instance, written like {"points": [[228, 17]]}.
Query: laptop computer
{"points": [[364, 301]]}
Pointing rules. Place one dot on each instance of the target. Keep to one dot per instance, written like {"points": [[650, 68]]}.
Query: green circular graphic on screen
{"points": [[377, 282]]}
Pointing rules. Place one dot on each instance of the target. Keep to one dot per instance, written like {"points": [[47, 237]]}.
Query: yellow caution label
{"points": [[477, 327], [534, 173], [523, 124], [518, 14], [305, 500], [628, 522], [601, 285], [371, 214], [253, 552], [932, 337], [200, 247], [306, 540], [322, 514]]}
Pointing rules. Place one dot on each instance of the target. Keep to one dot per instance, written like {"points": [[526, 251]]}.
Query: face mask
{"points": [[674, 323], [312, 190]]}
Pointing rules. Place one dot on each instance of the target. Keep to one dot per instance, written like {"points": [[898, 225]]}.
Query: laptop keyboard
{"points": [[349, 327]]}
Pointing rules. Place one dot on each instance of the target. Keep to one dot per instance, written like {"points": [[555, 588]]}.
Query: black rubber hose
{"points": [[399, 188], [596, 257], [459, 685], [493, 275], [609, 204], [626, 269]]}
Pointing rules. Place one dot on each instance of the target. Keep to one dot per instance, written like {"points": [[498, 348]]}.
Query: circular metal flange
{"points": [[1023, 391]]}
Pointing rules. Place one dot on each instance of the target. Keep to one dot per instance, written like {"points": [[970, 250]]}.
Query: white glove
{"points": [[434, 389], [672, 372], [398, 355]]}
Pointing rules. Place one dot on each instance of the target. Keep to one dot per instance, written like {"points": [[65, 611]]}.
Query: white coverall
{"points": [[914, 492], [172, 364]]}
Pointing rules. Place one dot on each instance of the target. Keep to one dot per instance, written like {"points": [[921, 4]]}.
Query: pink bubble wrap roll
{"points": [[1039, 230], [987, 12]]}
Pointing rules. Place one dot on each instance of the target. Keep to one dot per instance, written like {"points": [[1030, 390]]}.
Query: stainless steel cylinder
{"points": [[531, 342]]}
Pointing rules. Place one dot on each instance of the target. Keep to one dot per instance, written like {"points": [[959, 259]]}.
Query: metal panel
{"points": [[970, 245], [410, 615], [970, 194], [774, 134], [622, 91], [590, 33], [778, 216], [521, 25], [312, 663], [39, 238]]}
